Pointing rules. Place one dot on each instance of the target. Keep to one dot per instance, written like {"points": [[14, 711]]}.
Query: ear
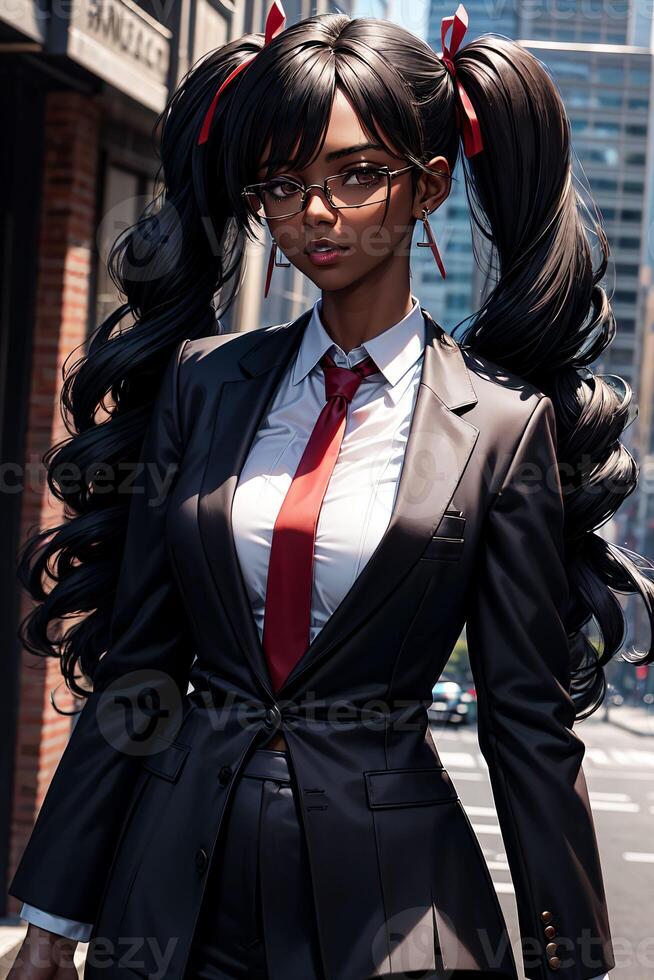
{"points": [[433, 187]]}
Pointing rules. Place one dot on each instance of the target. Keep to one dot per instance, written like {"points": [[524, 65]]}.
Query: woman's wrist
{"points": [[45, 947]]}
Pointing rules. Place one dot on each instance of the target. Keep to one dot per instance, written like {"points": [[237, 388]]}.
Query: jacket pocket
{"points": [[168, 761], [408, 787], [446, 543]]}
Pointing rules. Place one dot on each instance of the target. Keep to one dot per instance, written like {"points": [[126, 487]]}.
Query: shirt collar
{"points": [[394, 350]]}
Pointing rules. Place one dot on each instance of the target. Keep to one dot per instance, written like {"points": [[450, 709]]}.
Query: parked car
{"points": [[453, 704]]}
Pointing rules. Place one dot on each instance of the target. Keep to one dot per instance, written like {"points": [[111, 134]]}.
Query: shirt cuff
{"points": [[70, 928]]}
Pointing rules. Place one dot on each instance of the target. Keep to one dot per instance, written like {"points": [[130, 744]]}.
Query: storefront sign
{"points": [[118, 41]]}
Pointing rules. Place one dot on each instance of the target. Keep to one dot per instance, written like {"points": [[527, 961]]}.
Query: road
{"points": [[619, 769]]}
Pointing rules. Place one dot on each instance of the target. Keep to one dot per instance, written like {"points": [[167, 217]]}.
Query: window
{"points": [[626, 269], [626, 325], [638, 77], [125, 195], [604, 184]]}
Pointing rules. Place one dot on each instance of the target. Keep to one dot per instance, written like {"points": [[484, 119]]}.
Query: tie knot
{"points": [[345, 381]]}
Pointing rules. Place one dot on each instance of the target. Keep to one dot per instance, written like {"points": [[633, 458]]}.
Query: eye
{"points": [[364, 176], [281, 188]]}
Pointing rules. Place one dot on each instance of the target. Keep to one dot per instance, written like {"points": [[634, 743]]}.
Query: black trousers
{"points": [[257, 919]]}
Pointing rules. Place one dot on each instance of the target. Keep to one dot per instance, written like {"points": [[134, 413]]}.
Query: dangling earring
{"points": [[272, 262], [428, 241]]}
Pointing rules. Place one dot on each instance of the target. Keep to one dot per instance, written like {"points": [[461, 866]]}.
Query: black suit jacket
{"points": [[399, 879]]}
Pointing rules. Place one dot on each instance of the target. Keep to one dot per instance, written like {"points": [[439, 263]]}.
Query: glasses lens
{"points": [[364, 185], [255, 203], [281, 197]]}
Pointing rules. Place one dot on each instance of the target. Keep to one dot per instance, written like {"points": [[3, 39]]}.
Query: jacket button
{"points": [[546, 916], [224, 775], [550, 931], [554, 962], [273, 717], [550, 949], [201, 860]]}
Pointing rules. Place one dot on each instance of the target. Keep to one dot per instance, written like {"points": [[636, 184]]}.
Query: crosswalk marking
{"points": [[480, 811], [463, 759], [614, 806], [486, 828], [638, 857]]}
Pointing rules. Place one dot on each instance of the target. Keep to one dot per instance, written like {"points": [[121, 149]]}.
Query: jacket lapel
{"points": [[241, 406], [438, 448]]}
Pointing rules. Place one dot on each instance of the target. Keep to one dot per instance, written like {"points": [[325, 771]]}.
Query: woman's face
{"points": [[365, 245]]}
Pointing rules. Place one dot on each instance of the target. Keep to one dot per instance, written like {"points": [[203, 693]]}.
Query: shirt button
{"points": [[224, 775], [554, 962], [546, 916], [201, 860]]}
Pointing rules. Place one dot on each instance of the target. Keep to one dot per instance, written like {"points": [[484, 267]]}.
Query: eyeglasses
{"points": [[282, 197]]}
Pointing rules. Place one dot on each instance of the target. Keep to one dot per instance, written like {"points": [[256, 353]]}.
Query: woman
{"points": [[318, 509]]}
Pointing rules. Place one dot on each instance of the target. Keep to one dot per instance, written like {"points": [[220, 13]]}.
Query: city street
{"points": [[619, 769]]}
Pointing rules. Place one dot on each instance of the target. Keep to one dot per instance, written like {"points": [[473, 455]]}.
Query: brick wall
{"points": [[66, 238]]}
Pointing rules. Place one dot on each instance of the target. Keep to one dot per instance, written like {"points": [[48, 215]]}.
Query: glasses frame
{"points": [[324, 187]]}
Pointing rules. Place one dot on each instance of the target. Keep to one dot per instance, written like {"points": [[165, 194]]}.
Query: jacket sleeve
{"points": [[519, 656], [137, 696]]}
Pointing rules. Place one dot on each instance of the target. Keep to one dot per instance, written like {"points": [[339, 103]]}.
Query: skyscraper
{"points": [[601, 60]]}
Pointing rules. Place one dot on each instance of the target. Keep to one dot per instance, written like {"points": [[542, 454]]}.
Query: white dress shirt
{"points": [[361, 492], [359, 499]]}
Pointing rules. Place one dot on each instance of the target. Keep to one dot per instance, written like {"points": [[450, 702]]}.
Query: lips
{"points": [[321, 243]]}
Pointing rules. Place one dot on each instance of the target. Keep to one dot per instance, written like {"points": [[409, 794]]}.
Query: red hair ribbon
{"points": [[468, 123], [275, 23]]}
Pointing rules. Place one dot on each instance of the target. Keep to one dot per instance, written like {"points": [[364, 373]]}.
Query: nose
{"points": [[318, 207]]}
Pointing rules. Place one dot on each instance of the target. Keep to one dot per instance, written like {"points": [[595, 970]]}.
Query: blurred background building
{"points": [[600, 56]]}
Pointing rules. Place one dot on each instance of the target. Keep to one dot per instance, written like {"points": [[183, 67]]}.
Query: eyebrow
{"points": [[358, 148], [334, 155]]}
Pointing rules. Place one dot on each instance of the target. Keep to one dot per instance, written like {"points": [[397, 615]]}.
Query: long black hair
{"points": [[546, 318]]}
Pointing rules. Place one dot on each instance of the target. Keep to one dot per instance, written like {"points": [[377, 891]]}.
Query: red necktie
{"points": [[287, 615]]}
